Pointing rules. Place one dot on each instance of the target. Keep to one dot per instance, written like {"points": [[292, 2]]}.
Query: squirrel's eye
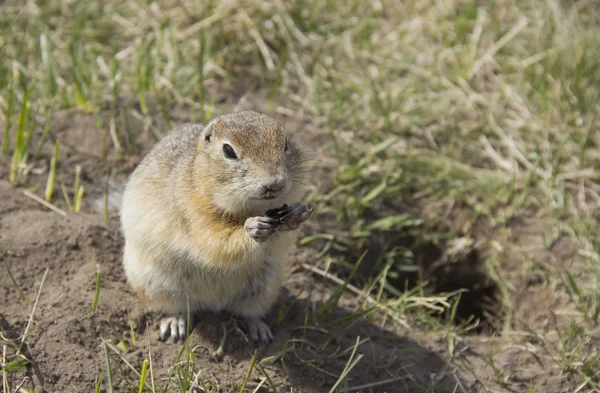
{"points": [[229, 152], [286, 144]]}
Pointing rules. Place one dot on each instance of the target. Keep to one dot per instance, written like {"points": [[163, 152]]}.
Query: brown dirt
{"points": [[64, 340]]}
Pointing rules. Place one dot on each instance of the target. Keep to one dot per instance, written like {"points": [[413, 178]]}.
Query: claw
{"points": [[182, 332], [164, 325], [173, 327], [260, 228]]}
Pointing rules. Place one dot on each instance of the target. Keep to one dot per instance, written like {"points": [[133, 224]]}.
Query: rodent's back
{"points": [[149, 208], [175, 148]]}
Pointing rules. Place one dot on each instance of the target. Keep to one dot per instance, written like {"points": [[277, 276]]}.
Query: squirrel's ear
{"points": [[208, 132], [207, 135]]}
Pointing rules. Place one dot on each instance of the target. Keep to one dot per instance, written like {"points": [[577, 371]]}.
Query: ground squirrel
{"points": [[203, 220]]}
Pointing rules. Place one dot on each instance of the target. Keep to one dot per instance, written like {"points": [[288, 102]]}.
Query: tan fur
{"points": [[184, 210]]}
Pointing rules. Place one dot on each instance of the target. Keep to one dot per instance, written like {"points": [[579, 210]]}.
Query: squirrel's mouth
{"points": [[268, 196], [269, 193]]}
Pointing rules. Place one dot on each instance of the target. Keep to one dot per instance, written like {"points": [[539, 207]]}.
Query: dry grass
{"points": [[458, 127]]}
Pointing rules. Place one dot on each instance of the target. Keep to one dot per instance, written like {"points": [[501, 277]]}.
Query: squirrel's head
{"points": [[253, 165]]}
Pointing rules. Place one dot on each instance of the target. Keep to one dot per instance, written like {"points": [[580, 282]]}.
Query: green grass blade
{"points": [[66, 196], [52, 86], [352, 362], [99, 384], [78, 198], [269, 380], [45, 134], [249, 372], [143, 376], [10, 104], [332, 302], [77, 179], [109, 378], [19, 151], [16, 365], [12, 279], [52, 173], [98, 284]]}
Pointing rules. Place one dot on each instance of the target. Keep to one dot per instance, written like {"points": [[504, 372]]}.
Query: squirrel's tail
{"points": [[112, 198]]}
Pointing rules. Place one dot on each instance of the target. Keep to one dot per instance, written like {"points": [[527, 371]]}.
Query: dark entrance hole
{"points": [[425, 261]]}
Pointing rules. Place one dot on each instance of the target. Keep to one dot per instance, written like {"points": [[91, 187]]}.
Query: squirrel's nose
{"points": [[274, 185]]}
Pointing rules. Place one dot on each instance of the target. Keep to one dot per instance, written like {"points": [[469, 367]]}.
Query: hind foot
{"points": [[259, 330]]}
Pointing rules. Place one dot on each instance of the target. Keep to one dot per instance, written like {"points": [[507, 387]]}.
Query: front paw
{"points": [[289, 218], [260, 228]]}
